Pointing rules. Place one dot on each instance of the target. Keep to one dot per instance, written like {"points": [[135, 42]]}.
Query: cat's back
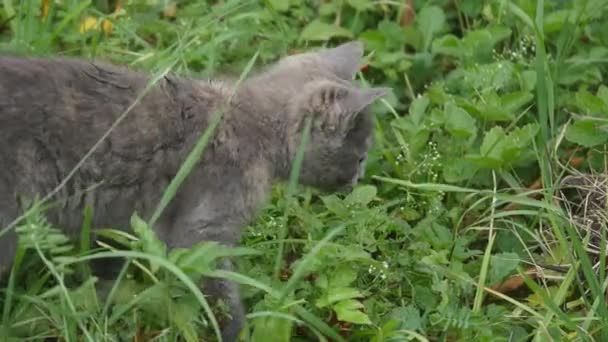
{"points": [[66, 90], [73, 102]]}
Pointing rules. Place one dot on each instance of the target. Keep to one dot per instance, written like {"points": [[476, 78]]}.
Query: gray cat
{"points": [[52, 111]]}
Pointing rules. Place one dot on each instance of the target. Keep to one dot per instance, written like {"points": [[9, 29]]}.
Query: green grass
{"points": [[489, 98]]}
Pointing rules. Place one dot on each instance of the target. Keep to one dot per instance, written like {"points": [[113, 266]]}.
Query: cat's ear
{"points": [[344, 60], [336, 106]]}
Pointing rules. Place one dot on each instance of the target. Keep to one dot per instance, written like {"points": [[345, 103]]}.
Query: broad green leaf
{"points": [[522, 136], [458, 170], [362, 195], [393, 33], [418, 108], [361, 5], [591, 103], [343, 276], [586, 133], [349, 311], [499, 33], [336, 294], [602, 93], [498, 148], [408, 317], [448, 45], [478, 43], [485, 161], [415, 136], [318, 30], [492, 112], [335, 205], [528, 80], [277, 327], [493, 142], [279, 5], [85, 296], [512, 102], [555, 20], [352, 252], [430, 21], [373, 39], [502, 265], [148, 241], [201, 257], [471, 8], [435, 234], [183, 314], [328, 8], [458, 122]]}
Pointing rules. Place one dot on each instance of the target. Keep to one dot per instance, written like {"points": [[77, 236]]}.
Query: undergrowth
{"points": [[456, 234]]}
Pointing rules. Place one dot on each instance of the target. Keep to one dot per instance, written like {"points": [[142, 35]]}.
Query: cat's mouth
{"points": [[347, 188]]}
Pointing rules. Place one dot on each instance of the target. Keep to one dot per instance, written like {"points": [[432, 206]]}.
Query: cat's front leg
{"points": [[228, 292], [203, 224], [8, 238], [8, 247]]}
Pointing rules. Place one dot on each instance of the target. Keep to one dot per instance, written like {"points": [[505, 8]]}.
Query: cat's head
{"points": [[319, 86]]}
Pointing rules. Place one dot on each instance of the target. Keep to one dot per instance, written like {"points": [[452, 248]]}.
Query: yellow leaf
{"points": [[170, 11], [118, 7], [106, 26], [44, 8], [88, 23]]}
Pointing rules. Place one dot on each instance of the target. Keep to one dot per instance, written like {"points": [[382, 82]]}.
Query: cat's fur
{"points": [[52, 111]]}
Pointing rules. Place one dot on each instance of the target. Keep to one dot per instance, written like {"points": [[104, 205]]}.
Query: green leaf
{"points": [[417, 109], [499, 33], [448, 45], [318, 30], [373, 39], [602, 93], [148, 241], [277, 327], [393, 34], [470, 8], [512, 102], [555, 20], [502, 265], [493, 112], [522, 136], [528, 80], [478, 44], [458, 122], [335, 205], [361, 5], [408, 317], [343, 276], [85, 297], [362, 195], [279, 5], [430, 21], [591, 103], [458, 170], [336, 294], [182, 314], [349, 311], [586, 133], [201, 257], [498, 148], [493, 142]]}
